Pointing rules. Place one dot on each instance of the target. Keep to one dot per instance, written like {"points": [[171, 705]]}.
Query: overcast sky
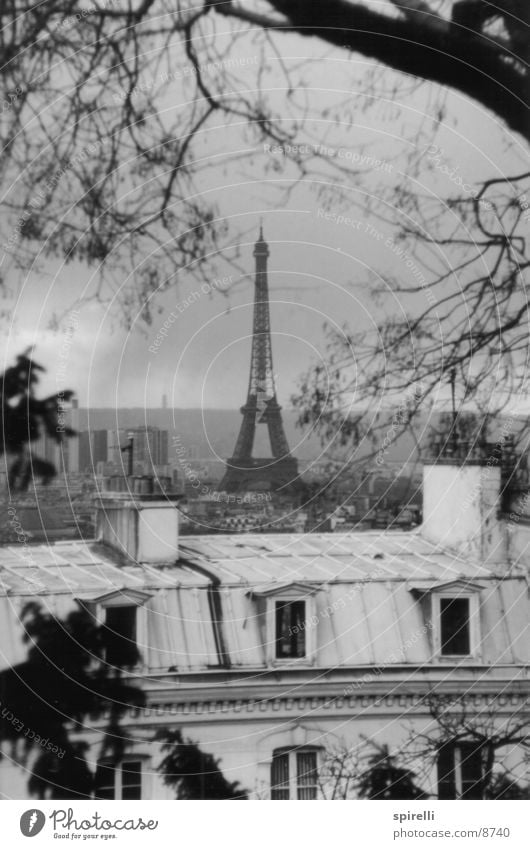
{"points": [[317, 266]]}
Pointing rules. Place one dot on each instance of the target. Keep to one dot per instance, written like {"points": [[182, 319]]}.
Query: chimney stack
{"points": [[462, 506], [138, 517]]}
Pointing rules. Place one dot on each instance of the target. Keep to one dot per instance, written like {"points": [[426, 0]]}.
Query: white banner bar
{"points": [[267, 825]]}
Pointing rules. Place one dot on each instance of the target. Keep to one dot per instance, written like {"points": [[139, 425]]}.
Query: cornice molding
{"points": [[255, 709]]}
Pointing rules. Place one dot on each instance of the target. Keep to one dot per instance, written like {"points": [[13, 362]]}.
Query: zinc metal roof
{"points": [[349, 557], [77, 567], [366, 608], [251, 559]]}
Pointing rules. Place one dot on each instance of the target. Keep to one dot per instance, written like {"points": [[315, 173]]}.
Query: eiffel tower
{"points": [[244, 472]]}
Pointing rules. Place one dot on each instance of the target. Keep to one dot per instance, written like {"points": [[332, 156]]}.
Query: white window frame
{"points": [[456, 752], [118, 774], [309, 630], [474, 623], [293, 768]]}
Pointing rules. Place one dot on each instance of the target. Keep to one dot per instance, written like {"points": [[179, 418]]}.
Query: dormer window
{"points": [[290, 629], [121, 647], [455, 626], [453, 609], [122, 617], [290, 623]]}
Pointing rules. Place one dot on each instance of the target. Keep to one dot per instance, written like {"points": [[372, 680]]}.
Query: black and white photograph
{"points": [[265, 490]]}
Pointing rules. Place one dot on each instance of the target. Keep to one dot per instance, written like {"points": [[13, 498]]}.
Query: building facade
{"points": [[273, 651]]}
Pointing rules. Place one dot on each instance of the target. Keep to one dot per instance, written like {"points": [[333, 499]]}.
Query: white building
{"points": [[268, 650]]}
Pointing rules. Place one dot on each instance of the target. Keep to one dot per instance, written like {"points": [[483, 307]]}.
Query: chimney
{"points": [[462, 506], [138, 517]]}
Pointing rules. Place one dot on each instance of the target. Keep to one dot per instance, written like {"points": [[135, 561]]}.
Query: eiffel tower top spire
{"points": [[261, 247]]}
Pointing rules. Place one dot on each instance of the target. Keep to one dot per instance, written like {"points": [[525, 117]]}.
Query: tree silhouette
{"points": [[504, 787], [193, 773], [25, 418], [100, 79], [47, 699], [422, 40], [384, 779], [485, 733], [100, 76]]}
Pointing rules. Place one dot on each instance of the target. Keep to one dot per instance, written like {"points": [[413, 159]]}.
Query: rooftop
{"points": [[366, 586], [78, 567]]}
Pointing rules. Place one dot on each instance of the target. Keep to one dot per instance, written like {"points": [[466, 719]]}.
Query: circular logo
{"points": [[32, 822]]}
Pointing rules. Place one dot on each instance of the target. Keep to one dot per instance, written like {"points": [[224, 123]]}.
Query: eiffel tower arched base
{"points": [[262, 474]]}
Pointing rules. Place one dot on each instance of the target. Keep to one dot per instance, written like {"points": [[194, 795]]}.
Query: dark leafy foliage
{"points": [[49, 697], [503, 787], [384, 779], [487, 733], [192, 773], [65, 777], [25, 418]]}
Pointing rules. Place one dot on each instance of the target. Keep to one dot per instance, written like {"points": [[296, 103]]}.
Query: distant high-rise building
{"points": [[150, 446], [99, 445], [116, 439], [92, 449], [84, 450], [63, 455], [164, 402]]}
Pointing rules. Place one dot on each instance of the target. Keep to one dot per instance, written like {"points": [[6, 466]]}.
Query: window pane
{"points": [[298, 627], [460, 772], [131, 780], [120, 635], [454, 625], [471, 770], [104, 783], [290, 629], [280, 777], [446, 773], [306, 770]]}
